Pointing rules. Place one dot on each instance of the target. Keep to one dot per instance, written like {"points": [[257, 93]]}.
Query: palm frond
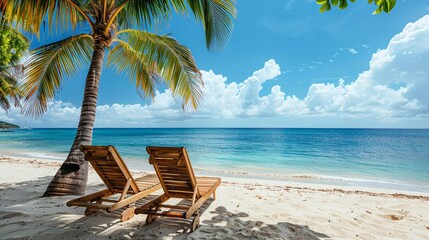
{"points": [[48, 66], [123, 58], [31, 14], [217, 17], [9, 90], [10, 69], [136, 13], [172, 61]]}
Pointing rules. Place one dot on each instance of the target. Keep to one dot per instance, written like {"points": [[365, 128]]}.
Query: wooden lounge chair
{"points": [[177, 178], [122, 189]]}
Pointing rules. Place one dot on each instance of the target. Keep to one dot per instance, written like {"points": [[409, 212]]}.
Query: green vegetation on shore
{"points": [[7, 125], [13, 45]]}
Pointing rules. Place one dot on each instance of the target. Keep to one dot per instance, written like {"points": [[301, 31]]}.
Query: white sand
{"points": [[244, 209]]}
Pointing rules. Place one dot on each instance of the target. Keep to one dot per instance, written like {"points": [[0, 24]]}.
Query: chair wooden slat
{"points": [[108, 164], [175, 173]]}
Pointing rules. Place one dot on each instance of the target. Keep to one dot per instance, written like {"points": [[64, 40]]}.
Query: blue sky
{"points": [[287, 65]]}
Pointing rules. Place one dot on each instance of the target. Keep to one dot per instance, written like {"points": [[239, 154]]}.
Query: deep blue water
{"points": [[374, 156]]}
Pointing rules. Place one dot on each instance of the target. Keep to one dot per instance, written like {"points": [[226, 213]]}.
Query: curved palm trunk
{"points": [[72, 177]]}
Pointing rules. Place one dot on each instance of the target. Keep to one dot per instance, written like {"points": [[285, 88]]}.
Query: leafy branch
{"points": [[382, 5]]}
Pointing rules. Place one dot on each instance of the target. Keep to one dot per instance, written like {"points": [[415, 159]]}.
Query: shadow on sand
{"points": [[24, 214]]}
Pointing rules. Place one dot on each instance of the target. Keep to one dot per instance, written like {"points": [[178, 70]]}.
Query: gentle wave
{"points": [[135, 165], [327, 180], [396, 158]]}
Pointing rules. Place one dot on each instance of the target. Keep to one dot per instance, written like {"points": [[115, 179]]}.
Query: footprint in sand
{"points": [[396, 218], [392, 217], [211, 233], [6, 215]]}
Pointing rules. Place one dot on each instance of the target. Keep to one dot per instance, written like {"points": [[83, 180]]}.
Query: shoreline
{"points": [[330, 157], [299, 179], [239, 179], [244, 208]]}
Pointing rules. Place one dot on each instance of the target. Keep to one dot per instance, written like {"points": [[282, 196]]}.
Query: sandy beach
{"points": [[244, 209]]}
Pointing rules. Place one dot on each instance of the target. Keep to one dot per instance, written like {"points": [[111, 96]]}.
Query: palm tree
{"points": [[13, 44], [146, 57]]}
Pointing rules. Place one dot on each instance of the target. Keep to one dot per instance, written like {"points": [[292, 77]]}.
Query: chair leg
{"points": [[150, 218], [89, 211], [214, 195], [127, 214], [195, 222]]}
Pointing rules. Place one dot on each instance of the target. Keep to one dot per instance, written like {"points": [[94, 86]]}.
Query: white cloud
{"points": [[392, 87], [6, 118], [392, 91], [353, 51]]}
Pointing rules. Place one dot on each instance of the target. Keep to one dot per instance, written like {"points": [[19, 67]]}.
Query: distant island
{"points": [[5, 125]]}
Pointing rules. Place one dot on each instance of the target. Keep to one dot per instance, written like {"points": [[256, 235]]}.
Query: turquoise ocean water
{"points": [[382, 158]]}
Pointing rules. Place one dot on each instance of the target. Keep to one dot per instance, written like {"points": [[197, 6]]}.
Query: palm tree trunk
{"points": [[72, 177]]}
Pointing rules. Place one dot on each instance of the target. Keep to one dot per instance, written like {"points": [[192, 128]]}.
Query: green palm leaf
{"points": [[49, 65], [13, 44], [146, 56], [215, 15], [31, 14], [9, 90], [136, 13], [123, 58]]}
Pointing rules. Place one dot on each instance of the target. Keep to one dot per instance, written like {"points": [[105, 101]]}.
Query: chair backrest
{"points": [[174, 171], [109, 165]]}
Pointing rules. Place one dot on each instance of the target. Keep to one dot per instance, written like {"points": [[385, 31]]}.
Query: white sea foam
{"points": [[47, 156], [326, 179], [38, 155], [395, 159]]}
